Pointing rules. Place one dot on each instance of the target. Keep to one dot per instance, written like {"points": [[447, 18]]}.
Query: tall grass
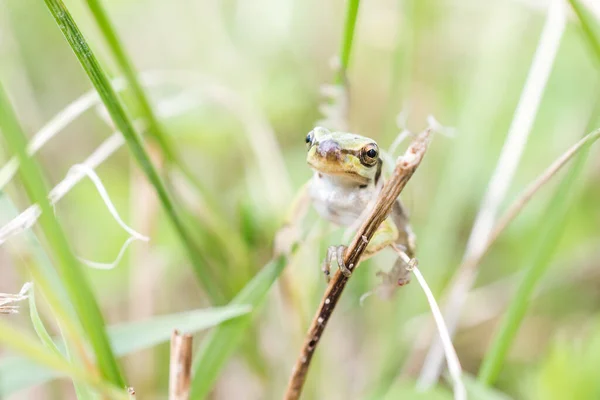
{"points": [[108, 31], [436, 65], [76, 284], [347, 40], [553, 226], [112, 103], [552, 229]]}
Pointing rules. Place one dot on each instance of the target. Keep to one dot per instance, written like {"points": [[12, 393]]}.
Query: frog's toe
{"points": [[340, 250], [335, 253]]}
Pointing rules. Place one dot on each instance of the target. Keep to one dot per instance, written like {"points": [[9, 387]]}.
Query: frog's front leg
{"points": [[384, 236]]}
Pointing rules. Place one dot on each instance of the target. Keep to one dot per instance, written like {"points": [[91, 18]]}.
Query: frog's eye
{"points": [[369, 154], [309, 138]]}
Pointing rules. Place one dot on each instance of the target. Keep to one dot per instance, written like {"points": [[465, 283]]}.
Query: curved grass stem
{"points": [[556, 217]]}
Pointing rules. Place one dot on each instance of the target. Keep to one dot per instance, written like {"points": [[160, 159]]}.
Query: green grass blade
{"points": [[38, 325], [346, 47], [117, 113], [82, 391], [126, 65], [401, 68], [551, 228], [232, 242], [478, 391], [73, 278], [47, 280], [128, 69], [17, 373], [131, 337], [220, 344], [43, 273], [590, 27], [33, 350]]}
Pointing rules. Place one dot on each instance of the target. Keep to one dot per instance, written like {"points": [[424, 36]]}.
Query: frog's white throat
{"points": [[341, 181], [340, 199]]}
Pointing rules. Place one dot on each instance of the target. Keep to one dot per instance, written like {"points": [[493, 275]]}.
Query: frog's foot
{"points": [[400, 273], [335, 253]]}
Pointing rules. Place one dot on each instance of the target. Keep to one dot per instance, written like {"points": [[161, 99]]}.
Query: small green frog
{"points": [[347, 177]]}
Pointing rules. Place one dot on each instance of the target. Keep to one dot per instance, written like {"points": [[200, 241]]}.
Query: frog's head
{"points": [[343, 155]]}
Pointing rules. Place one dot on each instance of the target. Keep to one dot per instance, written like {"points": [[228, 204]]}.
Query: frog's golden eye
{"points": [[369, 155]]}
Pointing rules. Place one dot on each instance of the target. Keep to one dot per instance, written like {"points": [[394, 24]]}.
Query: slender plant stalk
{"points": [[100, 81], [180, 366], [346, 47], [34, 350], [48, 281], [557, 211], [108, 30], [401, 70], [218, 225], [517, 206], [404, 170], [592, 36], [156, 130], [82, 391], [552, 228], [221, 342], [506, 167], [74, 280]]}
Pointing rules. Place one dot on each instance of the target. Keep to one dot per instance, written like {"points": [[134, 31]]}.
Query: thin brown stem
{"points": [[180, 366], [405, 167]]}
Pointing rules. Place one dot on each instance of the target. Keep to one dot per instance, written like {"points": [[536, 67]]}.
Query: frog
{"points": [[347, 177]]}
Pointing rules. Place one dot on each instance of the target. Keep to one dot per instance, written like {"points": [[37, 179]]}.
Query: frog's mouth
{"points": [[336, 169]]}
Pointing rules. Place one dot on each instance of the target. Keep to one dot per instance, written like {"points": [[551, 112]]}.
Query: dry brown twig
{"points": [[180, 366], [405, 167]]}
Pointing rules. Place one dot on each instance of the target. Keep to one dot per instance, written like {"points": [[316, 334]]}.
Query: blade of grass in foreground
{"points": [[31, 348], [126, 66], [117, 113], [72, 276], [45, 276], [218, 346], [590, 27], [346, 46], [48, 282], [551, 226], [17, 373], [233, 244], [82, 391]]}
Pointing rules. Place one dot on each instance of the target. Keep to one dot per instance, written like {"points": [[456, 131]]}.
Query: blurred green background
{"points": [[237, 86]]}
